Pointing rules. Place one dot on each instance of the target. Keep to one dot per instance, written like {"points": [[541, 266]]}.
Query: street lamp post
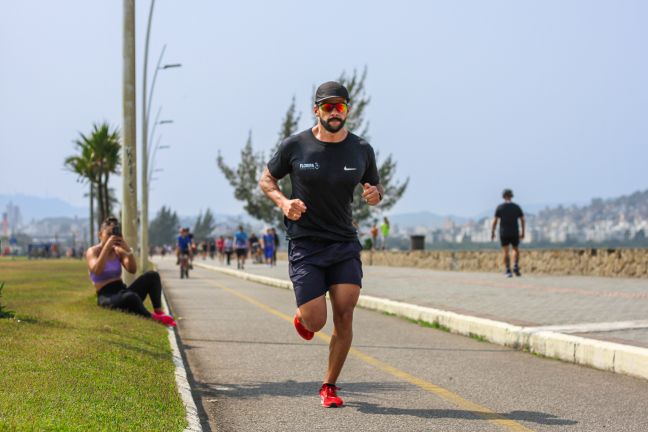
{"points": [[154, 153], [129, 147], [145, 119]]}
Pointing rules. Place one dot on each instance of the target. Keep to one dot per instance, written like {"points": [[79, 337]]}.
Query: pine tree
{"points": [[163, 229], [204, 226], [244, 179]]}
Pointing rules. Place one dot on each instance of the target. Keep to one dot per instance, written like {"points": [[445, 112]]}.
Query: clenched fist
{"points": [[293, 209], [371, 194]]}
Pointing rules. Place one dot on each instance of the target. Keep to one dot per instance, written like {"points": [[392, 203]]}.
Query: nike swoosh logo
{"points": [[349, 169]]}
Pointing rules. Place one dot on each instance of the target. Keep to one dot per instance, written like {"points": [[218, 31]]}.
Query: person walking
{"points": [[508, 214], [325, 164], [220, 248], [241, 244], [374, 235], [228, 247], [384, 230], [268, 246], [276, 246]]}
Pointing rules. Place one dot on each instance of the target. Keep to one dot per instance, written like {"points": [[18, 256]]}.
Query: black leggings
{"points": [[116, 295]]}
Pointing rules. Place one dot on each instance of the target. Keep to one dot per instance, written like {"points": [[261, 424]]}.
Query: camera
{"points": [[116, 230]]}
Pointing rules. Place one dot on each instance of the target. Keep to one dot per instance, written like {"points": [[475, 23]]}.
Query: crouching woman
{"points": [[105, 261]]}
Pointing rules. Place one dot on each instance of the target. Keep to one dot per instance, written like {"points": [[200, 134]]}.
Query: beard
{"points": [[329, 127]]}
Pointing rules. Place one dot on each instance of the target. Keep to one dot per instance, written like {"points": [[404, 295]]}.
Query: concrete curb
{"points": [[193, 422], [609, 356]]}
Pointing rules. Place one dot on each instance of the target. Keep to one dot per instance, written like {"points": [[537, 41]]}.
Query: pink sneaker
{"points": [[303, 331], [328, 394], [164, 319]]}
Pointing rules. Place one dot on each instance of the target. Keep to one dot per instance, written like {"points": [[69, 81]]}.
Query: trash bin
{"points": [[417, 242]]}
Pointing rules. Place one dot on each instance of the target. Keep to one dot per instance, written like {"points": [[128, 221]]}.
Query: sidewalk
{"points": [[529, 301], [531, 312]]}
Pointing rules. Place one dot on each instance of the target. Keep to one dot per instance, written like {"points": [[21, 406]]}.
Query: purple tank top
{"points": [[112, 270]]}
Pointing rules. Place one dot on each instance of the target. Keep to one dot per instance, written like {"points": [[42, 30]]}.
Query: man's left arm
{"points": [[373, 194], [373, 191], [522, 227]]}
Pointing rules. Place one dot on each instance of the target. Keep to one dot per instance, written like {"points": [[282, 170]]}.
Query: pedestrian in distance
{"points": [[374, 234], [384, 230], [105, 261], [241, 244], [510, 233], [268, 246], [228, 248], [212, 248], [276, 246], [325, 163], [255, 249], [220, 248]]}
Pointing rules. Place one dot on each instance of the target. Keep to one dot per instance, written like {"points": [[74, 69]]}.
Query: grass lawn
{"points": [[67, 364]]}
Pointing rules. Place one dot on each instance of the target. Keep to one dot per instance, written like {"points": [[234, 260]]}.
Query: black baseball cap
{"points": [[330, 90]]}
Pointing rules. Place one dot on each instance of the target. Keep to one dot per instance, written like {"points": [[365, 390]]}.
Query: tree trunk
{"points": [[105, 209], [100, 199], [108, 197], [92, 231]]}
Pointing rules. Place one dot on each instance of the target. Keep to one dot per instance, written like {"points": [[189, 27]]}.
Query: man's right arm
{"points": [[493, 227], [292, 209]]}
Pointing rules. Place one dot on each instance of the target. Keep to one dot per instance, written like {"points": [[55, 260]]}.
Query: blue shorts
{"points": [[315, 265], [268, 252]]}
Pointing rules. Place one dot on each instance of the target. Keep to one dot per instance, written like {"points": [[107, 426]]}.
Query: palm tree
{"points": [[81, 165], [106, 145], [98, 158]]}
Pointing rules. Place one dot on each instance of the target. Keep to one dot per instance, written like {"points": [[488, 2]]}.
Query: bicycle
{"points": [[184, 266]]}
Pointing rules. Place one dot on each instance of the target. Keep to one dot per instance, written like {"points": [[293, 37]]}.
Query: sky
{"points": [[549, 98]]}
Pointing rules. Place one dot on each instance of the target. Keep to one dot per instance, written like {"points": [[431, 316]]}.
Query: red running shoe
{"points": [[329, 396], [303, 331], [164, 319]]}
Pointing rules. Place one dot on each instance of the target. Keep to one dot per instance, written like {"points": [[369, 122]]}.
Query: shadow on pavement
{"points": [[291, 388], [530, 416]]}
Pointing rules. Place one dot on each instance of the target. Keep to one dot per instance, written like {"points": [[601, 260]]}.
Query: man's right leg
{"points": [[516, 261], [312, 314]]}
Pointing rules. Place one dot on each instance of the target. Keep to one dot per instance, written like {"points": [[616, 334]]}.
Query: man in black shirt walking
{"points": [[325, 164], [508, 214]]}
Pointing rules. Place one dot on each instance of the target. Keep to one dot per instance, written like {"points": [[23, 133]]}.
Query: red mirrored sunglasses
{"points": [[339, 107]]}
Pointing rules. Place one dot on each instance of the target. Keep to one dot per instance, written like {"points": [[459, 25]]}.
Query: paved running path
{"points": [[251, 372], [527, 301]]}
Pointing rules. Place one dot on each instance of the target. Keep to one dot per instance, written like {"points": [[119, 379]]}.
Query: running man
{"points": [[325, 164], [508, 214]]}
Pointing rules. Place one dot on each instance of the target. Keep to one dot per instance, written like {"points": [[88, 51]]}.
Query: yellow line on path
{"points": [[441, 392]]}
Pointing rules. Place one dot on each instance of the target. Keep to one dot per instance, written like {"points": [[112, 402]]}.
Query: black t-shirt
{"points": [[324, 176], [508, 213]]}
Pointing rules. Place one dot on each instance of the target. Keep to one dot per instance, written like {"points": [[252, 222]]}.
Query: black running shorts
{"points": [[241, 252], [314, 265], [506, 240]]}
